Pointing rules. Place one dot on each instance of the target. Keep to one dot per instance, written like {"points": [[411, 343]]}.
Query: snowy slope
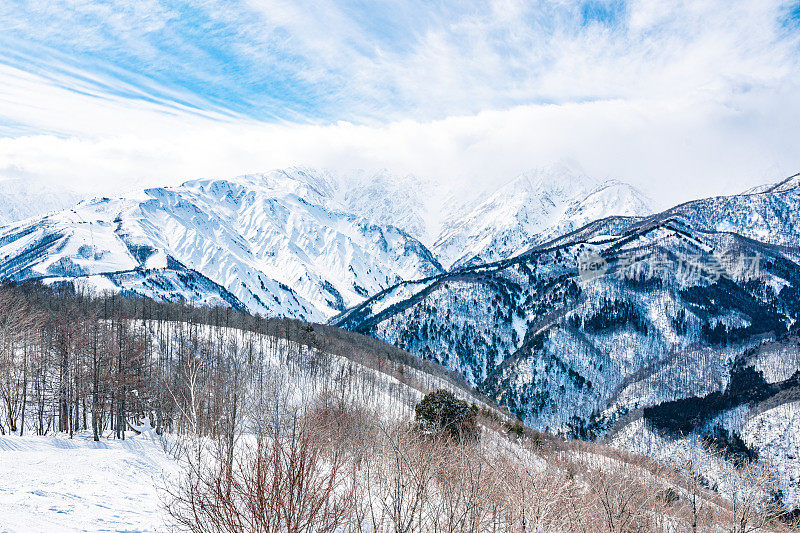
{"points": [[58, 484], [674, 328], [54, 483], [536, 206], [610, 198], [770, 433], [775, 435], [276, 243], [21, 199]]}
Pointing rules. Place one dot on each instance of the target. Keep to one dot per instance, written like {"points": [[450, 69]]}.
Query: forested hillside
{"points": [[236, 422], [681, 323], [73, 361]]}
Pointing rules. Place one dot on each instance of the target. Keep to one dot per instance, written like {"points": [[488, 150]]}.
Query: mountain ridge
{"points": [[294, 242], [574, 352], [531, 209], [276, 241]]}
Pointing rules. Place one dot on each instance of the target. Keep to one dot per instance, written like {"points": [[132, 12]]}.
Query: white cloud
{"points": [[682, 98], [673, 149]]}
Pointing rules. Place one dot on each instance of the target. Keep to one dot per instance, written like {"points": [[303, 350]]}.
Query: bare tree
{"points": [[754, 494], [624, 494], [279, 484]]}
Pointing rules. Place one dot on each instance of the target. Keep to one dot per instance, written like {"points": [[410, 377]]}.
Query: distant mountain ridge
{"points": [[688, 327], [299, 242], [275, 244], [536, 206], [20, 199]]}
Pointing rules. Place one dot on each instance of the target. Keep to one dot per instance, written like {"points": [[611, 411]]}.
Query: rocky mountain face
{"points": [[274, 244], [642, 330]]}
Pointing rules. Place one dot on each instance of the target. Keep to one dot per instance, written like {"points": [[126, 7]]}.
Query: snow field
{"points": [[54, 483]]}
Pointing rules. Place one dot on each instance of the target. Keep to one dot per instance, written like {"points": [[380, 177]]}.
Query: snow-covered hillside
{"points": [[354, 399], [276, 243], [667, 323], [21, 199], [535, 207], [61, 481], [298, 242], [769, 214]]}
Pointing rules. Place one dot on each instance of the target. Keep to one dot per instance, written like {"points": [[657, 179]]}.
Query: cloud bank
{"points": [[683, 99]]}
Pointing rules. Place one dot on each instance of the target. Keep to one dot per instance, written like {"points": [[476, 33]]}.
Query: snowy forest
{"points": [[280, 425]]}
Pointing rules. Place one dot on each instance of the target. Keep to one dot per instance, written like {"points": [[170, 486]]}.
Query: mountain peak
{"points": [[277, 243], [312, 185], [560, 174], [533, 207], [787, 184]]}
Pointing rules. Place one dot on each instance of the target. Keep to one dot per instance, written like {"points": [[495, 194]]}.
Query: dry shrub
{"points": [[338, 467], [281, 483], [626, 500], [343, 427]]}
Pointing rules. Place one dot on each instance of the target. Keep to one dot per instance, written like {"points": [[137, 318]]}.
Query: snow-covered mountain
{"points": [[535, 207], [686, 323], [276, 243], [770, 213], [21, 199], [542, 287], [388, 199], [301, 243], [685, 319]]}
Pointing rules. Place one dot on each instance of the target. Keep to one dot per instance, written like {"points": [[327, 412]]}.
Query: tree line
{"points": [[71, 361]]}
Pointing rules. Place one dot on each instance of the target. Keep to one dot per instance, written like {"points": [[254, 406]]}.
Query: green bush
{"points": [[515, 428], [441, 413]]}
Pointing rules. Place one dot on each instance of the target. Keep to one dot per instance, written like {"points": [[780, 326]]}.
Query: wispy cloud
{"points": [[149, 89], [325, 60]]}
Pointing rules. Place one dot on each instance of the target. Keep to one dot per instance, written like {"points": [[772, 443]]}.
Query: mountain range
{"points": [[563, 298], [644, 330], [298, 243], [274, 244]]}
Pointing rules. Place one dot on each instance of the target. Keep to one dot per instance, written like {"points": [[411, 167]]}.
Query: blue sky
{"points": [[455, 90], [312, 61]]}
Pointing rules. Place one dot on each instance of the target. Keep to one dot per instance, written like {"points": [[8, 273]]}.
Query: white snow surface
{"points": [[54, 483]]}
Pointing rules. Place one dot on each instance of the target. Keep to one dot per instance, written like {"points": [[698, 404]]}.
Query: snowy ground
{"points": [[58, 484]]}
